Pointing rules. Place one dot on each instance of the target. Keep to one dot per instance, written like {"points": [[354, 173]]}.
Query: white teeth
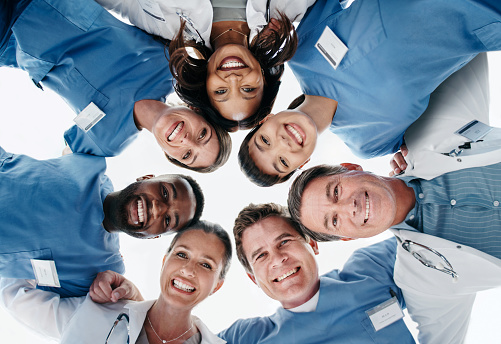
{"points": [[232, 64], [140, 211], [287, 274], [294, 132], [182, 286], [176, 131], [367, 208]]}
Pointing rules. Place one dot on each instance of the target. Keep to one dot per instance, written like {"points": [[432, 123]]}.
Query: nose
{"points": [[186, 139], [347, 207], [233, 77], [278, 258], [158, 208], [188, 269]]}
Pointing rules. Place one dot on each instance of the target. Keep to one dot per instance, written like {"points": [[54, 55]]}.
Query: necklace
{"points": [[243, 34], [167, 341]]}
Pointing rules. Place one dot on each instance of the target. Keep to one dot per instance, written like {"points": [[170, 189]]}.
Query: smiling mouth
{"points": [[295, 134], [286, 275], [176, 131], [232, 63], [182, 286], [367, 208]]}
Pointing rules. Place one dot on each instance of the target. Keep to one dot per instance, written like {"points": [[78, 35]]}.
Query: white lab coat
{"points": [[78, 320], [160, 17], [463, 97], [440, 306]]}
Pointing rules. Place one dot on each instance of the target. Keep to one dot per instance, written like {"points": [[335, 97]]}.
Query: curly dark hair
{"points": [[271, 50]]}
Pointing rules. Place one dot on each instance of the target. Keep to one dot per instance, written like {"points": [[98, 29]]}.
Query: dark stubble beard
{"points": [[119, 215]]}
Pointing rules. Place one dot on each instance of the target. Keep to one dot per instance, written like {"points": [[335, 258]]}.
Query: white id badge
{"points": [[331, 47], [89, 117], [474, 130], [385, 313], [45, 273], [152, 8]]}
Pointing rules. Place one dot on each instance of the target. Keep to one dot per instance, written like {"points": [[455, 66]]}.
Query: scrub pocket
{"points": [[490, 36], [18, 264]]}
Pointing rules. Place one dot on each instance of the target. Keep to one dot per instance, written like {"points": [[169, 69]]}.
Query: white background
{"points": [[33, 122]]}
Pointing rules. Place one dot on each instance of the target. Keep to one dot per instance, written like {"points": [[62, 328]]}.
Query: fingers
{"points": [[101, 290], [404, 150], [397, 164]]}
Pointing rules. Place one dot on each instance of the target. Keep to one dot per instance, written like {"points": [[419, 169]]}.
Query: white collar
{"points": [[308, 306]]}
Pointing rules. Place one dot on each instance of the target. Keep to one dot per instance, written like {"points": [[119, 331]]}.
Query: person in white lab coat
{"points": [[194, 267]]}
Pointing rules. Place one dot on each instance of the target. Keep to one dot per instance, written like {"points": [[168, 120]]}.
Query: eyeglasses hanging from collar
{"points": [[444, 267]]}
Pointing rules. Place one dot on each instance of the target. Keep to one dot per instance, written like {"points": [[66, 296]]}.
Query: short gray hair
{"points": [[294, 200]]}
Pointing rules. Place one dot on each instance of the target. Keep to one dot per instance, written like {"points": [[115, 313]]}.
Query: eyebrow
{"points": [[328, 188], [203, 256], [278, 238], [195, 156], [275, 166]]}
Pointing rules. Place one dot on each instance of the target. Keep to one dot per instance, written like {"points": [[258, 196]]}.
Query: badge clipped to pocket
{"points": [[331, 47], [89, 117], [45, 273], [385, 313], [474, 130]]}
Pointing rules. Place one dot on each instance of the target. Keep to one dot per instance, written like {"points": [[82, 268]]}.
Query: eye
{"points": [[265, 141], [207, 266], [283, 162], [220, 91], [336, 191], [167, 221], [203, 133], [181, 255], [334, 221], [261, 256], [283, 242], [248, 89], [187, 155], [165, 193]]}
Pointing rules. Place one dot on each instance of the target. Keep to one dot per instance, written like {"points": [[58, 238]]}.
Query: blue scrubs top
{"points": [[80, 51], [399, 52], [53, 210], [340, 316]]}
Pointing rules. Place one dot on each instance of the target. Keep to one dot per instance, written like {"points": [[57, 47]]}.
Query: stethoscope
{"points": [[117, 321], [447, 268]]}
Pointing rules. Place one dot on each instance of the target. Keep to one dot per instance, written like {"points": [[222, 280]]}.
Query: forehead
{"points": [[206, 244], [265, 232]]}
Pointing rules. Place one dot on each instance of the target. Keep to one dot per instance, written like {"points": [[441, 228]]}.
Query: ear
{"points": [[266, 118], [148, 176], [304, 163], [155, 237], [314, 246], [347, 239], [352, 167], [219, 285], [251, 276]]}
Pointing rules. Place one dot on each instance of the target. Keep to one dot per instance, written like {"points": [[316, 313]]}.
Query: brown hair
{"points": [[270, 50], [252, 214]]}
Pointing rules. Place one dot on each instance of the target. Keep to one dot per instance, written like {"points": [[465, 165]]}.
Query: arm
{"points": [[109, 286], [42, 311]]}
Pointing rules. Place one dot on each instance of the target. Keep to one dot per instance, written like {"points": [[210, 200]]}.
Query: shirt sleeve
{"points": [[377, 262], [42, 311]]}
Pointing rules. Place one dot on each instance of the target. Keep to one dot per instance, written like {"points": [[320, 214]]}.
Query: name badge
{"points": [[45, 273], [385, 313], [474, 130], [152, 8], [89, 117], [331, 47]]}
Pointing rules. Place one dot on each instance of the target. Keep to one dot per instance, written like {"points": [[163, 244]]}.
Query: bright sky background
{"points": [[32, 123]]}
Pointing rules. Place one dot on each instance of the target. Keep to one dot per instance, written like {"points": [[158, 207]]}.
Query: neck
{"points": [[221, 34], [146, 112], [108, 206], [305, 298], [320, 109], [168, 323], [405, 198]]}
